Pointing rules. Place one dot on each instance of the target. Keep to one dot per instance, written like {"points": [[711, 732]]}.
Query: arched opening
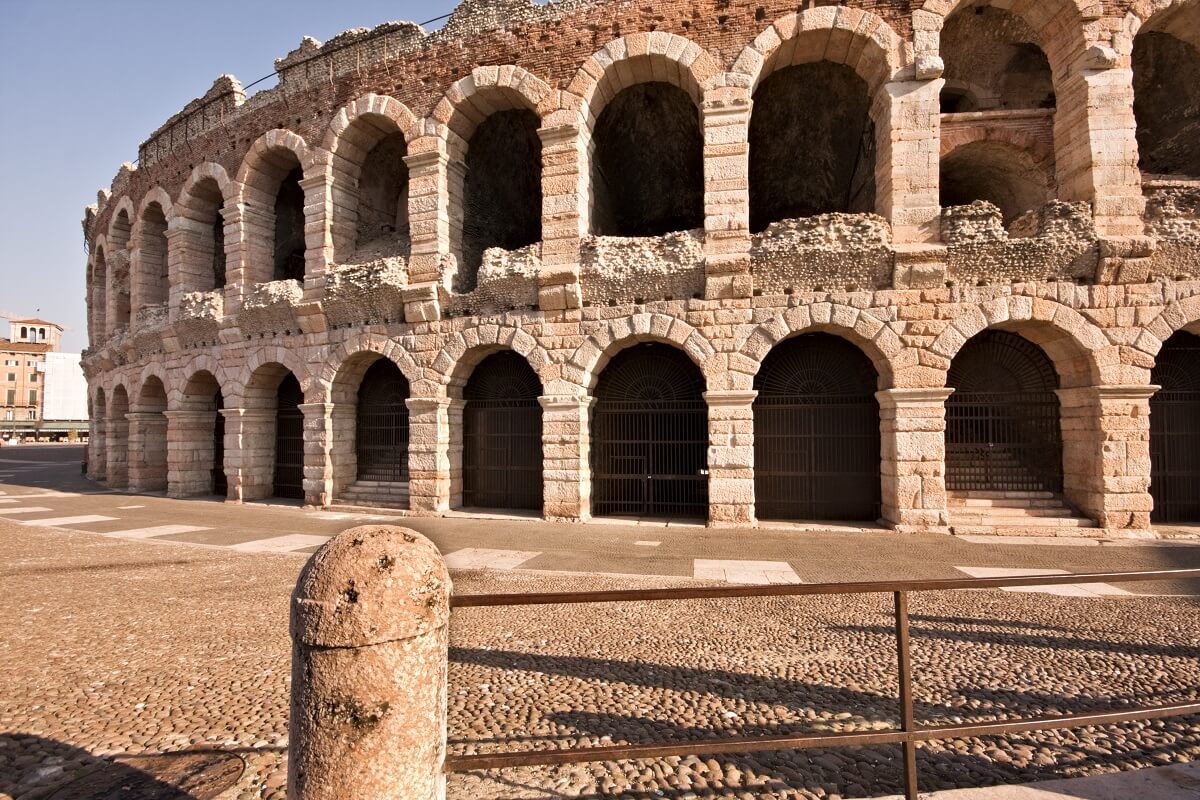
{"points": [[997, 172], [202, 267], [381, 214], [647, 163], [289, 228], [1175, 431], [999, 56], [99, 298], [117, 440], [1003, 432], [273, 222], [649, 434], [816, 432], [502, 435], [288, 480], [202, 425], [118, 239], [502, 189], [97, 441], [1166, 92], [381, 436], [817, 115], [153, 286], [148, 438]]}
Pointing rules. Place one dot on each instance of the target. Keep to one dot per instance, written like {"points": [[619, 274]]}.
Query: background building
{"points": [[44, 392]]}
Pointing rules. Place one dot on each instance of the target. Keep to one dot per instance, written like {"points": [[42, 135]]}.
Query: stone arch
{"points": [[351, 146], [261, 373], [158, 373], [198, 255], [877, 341], [120, 237], [1040, 149], [98, 291], [117, 435], [120, 228], [1179, 315], [185, 390], [465, 349], [589, 359], [151, 281], [1013, 170], [345, 365], [471, 100], [272, 246], [1164, 52]]}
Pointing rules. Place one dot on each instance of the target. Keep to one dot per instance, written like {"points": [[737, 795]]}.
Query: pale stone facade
{"points": [[1068, 257]]}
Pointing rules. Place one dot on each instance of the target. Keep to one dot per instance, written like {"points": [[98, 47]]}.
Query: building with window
{"points": [[935, 264], [26, 382]]}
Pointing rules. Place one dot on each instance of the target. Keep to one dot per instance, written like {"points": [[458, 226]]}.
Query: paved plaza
{"points": [[123, 637]]}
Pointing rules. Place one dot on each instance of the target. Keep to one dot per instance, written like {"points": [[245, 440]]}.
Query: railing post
{"points": [[907, 717], [369, 654]]}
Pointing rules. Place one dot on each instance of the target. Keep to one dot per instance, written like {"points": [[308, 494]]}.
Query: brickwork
{"points": [[185, 291]]}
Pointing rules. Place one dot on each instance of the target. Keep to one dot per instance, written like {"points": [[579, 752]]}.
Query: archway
{"points": [[649, 435], [997, 172], [1166, 92], [152, 278], [816, 432], [117, 440], [118, 272], [99, 329], [288, 473], [201, 263], [1175, 431], [1003, 432], [994, 60], [148, 438], [502, 435], [97, 445], [199, 422], [381, 425]]}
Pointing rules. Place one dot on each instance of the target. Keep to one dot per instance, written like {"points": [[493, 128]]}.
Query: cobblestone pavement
{"points": [[117, 646]]}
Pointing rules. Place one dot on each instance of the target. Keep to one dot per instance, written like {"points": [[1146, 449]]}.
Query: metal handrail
{"points": [[908, 735]]}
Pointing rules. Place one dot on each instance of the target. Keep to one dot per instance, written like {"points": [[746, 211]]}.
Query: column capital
{"points": [[189, 414], [145, 416], [901, 398], [730, 397], [426, 404], [1088, 395], [248, 413], [308, 409], [565, 402]]}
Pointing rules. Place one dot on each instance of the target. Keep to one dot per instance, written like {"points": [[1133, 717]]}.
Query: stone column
{"points": [[96, 451], [454, 449], [249, 452], [429, 226], [318, 241], [189, 452], [564, 214], [912, 429], [725, 118], [369, 625], [730, 457], [566, 443], [343, 455], [1106, 455], [147, 451], [116, 466], [428, 459], [908, 136], [318, 440], [237, 256]]}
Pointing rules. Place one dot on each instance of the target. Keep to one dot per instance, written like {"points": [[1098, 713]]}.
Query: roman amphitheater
{"points": [[935, 265]]}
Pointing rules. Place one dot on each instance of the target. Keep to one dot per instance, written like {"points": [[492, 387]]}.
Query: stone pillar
{"points": [[564, 215], [566, 443], [343, 455], [1106, 455], [190, 452], [116, 466], [147, 451], [912, 429], [318, 440], [428, 449], [96, 450], [369, 626], [429, 226], [730, 457], [454, 449], [318, 240], [908, 135], [725, 118], [249, 452], [237, 256]]}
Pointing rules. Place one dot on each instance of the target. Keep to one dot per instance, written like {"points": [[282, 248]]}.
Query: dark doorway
{"points": [[381, 430], [1175, 431], [816, 432], [289, 440], [1002, 421], [502, 435], [220, 484], [650, 435]]}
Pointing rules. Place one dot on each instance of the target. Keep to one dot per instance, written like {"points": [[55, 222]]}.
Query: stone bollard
{"points": [[369, 653]]}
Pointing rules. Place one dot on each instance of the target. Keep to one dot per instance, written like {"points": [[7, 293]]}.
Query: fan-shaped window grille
{"points": [[816, 432], [502, 435], [289, 440], [1002, 421], [1175, 431], [381, 424], [650, 435]]}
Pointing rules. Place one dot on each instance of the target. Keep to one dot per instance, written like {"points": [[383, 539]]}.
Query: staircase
{"points": [[1014, 513], [375, 494]]}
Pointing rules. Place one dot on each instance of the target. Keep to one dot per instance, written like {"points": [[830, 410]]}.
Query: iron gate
{"points": [[381, 426], [816, 432], [220, 484], [289, 440], [1175, 431], [1003, 439], [650, 436], [502, 435]]}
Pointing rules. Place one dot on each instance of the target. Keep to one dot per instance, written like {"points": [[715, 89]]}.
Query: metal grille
{"points": [[502, 435], [1003, 439], [289, 440], [816, 432], [650, 436], [1175, 431], [219, 482], [381, 430]]}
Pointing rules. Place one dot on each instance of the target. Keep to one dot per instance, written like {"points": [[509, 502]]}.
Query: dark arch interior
{"points": [[816, 432], [289, 228], [121, 230], [1166, 103], [381, 424], [220, 484], [650, 435], [154, 255], [997, 53], [288, 479], [648, 164], [502, 191], [1002, 421], [207, 199], [1175, 431], [383, 195], [812, 144], [995, 172], [502, 434]]}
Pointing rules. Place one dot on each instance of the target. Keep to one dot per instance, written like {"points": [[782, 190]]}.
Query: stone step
{"points": [[1009, 530], [1005, 502], [376, 491], [980, 494], [379, 484], [384, 498], [1009, 512], [991, 521]]}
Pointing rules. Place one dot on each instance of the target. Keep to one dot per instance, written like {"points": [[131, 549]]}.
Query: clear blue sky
{"points": [[83, 83]]}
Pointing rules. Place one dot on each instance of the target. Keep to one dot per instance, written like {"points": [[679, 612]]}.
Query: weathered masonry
{"points": [[934, 263]]}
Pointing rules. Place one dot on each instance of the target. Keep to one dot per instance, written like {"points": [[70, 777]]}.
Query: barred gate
{"points": [[289, 440], [1175, 431], [220, 484], [502, 435], [381, 424]]}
